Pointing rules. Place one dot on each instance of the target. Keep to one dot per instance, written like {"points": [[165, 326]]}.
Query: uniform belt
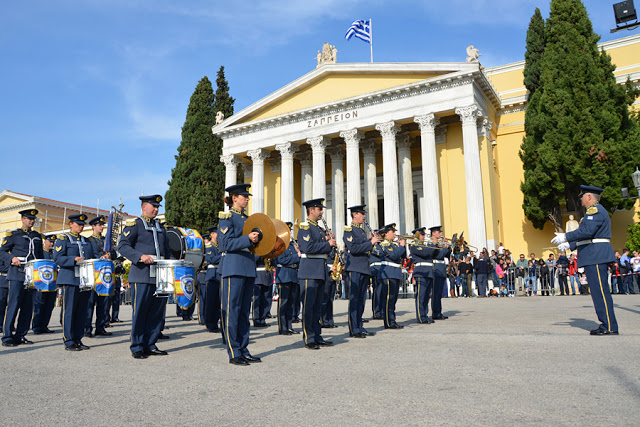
{"points": [[314, 256], [288, 265], [424, 264], [438, 261], [212, 266], [589, 241], [391, 264], [3, 274], [375, 264], [261, 269], [239, 250]]}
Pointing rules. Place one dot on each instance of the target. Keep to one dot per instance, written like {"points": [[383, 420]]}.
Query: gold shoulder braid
{"points": [[592, 210], [61, 236], [347, 228], [304, 225], [130, 222], [224, 215]]}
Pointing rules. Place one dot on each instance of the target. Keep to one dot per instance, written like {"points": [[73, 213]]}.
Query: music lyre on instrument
{"points": [[274, 235]]}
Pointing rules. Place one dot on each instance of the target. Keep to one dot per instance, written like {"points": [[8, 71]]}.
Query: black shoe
{"points": [[252, 359], [312, 346], [295, 321], [186, 319], [73, 347], [376, 318], [441, 317], [10, 344], [260, 325], [603, 332], [82, 346], [287, 332], [48, 331], [395, 326], [369, 334], [38, 332], [325, 343], [213, 330], [88, 335], [358, 335], [241, 361], [293, 331], [116, 321], [365, 320], [163, 336], [155, 352], [103, 333], [107, 325], [23, 340], [269, 316], [139, 355]]}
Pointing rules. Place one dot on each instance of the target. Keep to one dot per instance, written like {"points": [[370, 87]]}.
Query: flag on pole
{"points": [[361, 29]]}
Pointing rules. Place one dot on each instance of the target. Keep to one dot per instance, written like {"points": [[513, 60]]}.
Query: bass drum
{"points": [[186, 244]]}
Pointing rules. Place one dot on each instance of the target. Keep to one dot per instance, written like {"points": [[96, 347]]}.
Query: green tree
{"points": [[223, 103], [578, 128], [535, 48], [633, 236], [194, 184]]}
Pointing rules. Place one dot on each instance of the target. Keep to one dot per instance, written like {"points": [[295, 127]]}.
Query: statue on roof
{"points": [[473, 54], [219, 117], [329, 55]]}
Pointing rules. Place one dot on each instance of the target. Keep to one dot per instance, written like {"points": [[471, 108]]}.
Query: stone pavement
{"points": [[498, 361]]}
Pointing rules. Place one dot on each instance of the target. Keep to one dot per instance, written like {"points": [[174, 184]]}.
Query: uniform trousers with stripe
{"points": [[390, 289], [424, 288], [295, 300], [148, 316], [261, 307], [285, 306], [236, 294], [74, 313], [42, 308], [4, 294], [377, 302], [358, 284], [602, 301], [311, 293], [438, 289], [101, 305], [20, 306], [212, 305], [202, 303], [326, 311]]}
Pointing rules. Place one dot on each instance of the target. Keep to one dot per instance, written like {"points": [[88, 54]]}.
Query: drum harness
{"points": [[155, 228], [79, 242]]}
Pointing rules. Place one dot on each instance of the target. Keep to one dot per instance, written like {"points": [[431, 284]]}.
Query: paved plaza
{"points": [[497, 361]]}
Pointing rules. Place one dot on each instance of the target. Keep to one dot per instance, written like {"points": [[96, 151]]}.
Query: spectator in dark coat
{"points": [[482, 275]]}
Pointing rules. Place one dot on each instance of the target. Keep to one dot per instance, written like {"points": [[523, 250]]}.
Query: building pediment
{"points": [[334, 84]]}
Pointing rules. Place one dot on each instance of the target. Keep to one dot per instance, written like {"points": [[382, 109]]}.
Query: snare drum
{"points": [[97, 274], [186, 244], [173, 274], [41, 274]]}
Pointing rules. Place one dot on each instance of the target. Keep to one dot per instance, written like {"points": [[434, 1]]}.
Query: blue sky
{"points": [[93, 93]]}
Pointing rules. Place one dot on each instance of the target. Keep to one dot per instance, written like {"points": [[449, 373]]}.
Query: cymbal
{"points": [[283, 238], [261, 222]]}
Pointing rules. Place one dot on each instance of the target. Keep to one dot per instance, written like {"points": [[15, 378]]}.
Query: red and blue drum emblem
{"points": [[103, 274], [184, 286]]}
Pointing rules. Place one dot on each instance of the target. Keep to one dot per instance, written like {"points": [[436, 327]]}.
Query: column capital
{"points": [[247, 169], [352, 137], [230, 160], [468, 114], [369, 148], [318, 144], [336, 154], [403, 140], [388, 129], [305, 159], [287, 150], [258, 155], [427, 122]]}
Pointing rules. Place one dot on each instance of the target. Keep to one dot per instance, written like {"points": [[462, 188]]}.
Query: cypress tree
{"points": [[194, 184], [535, 47], [224, 103], [578, 130]]}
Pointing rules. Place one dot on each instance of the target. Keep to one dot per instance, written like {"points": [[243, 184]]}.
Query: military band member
{"points": [[375, 257], [286, 278], [592, 239], [43, 302], [201, 290], [18, 247], [144, 240], [238, 275], [69, 251], [422, 255], [329, 294], [98, 302], [212, 304], [439, 274], [314, 246], [358, 246], [4, 288], [262, 292], [390, 273], [115, 299], [187, 314]]}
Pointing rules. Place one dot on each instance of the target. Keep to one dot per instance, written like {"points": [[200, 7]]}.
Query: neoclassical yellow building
{"points": [[421, 144]]}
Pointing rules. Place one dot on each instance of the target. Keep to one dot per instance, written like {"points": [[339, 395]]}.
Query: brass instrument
{"points": [[267, 264], [274, 235], [338, 261]]}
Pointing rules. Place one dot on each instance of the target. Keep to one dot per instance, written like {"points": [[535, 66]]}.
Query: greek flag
{"points": [[361, 29]]}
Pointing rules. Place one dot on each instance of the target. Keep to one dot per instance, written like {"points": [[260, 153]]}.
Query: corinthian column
{"points": [[407, 222], [307, 180], [352, 140], [388, 131], [473, 176], [231, 172], [257, 188], [430, 212], [318, 145], [371, 182], [286, 180], [337, 172]]}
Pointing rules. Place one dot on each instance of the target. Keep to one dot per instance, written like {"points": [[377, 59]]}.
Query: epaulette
{"points": [[304, 225], [347, 228], [592, 210], [224, 215], [130, 222], [385, 243], [8, 234], [208, 245], [61, 236]]}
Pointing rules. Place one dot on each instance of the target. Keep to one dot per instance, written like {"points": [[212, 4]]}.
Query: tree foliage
{"points": [[535, 48], [578, 127]]}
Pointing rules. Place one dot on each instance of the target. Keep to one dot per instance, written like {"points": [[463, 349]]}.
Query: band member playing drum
{"points": [[19, 246], [144, 240], [69, 251], [99, 302], [390, 274], [238, 275], [44, 302], [315, 244], [422, 257]]}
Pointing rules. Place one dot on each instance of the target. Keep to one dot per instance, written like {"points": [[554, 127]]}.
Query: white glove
{"points": [[564, 246], [560, 238]]}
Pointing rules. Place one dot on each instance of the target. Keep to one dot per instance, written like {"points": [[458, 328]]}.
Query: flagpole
{"points": [[371, 36]]}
